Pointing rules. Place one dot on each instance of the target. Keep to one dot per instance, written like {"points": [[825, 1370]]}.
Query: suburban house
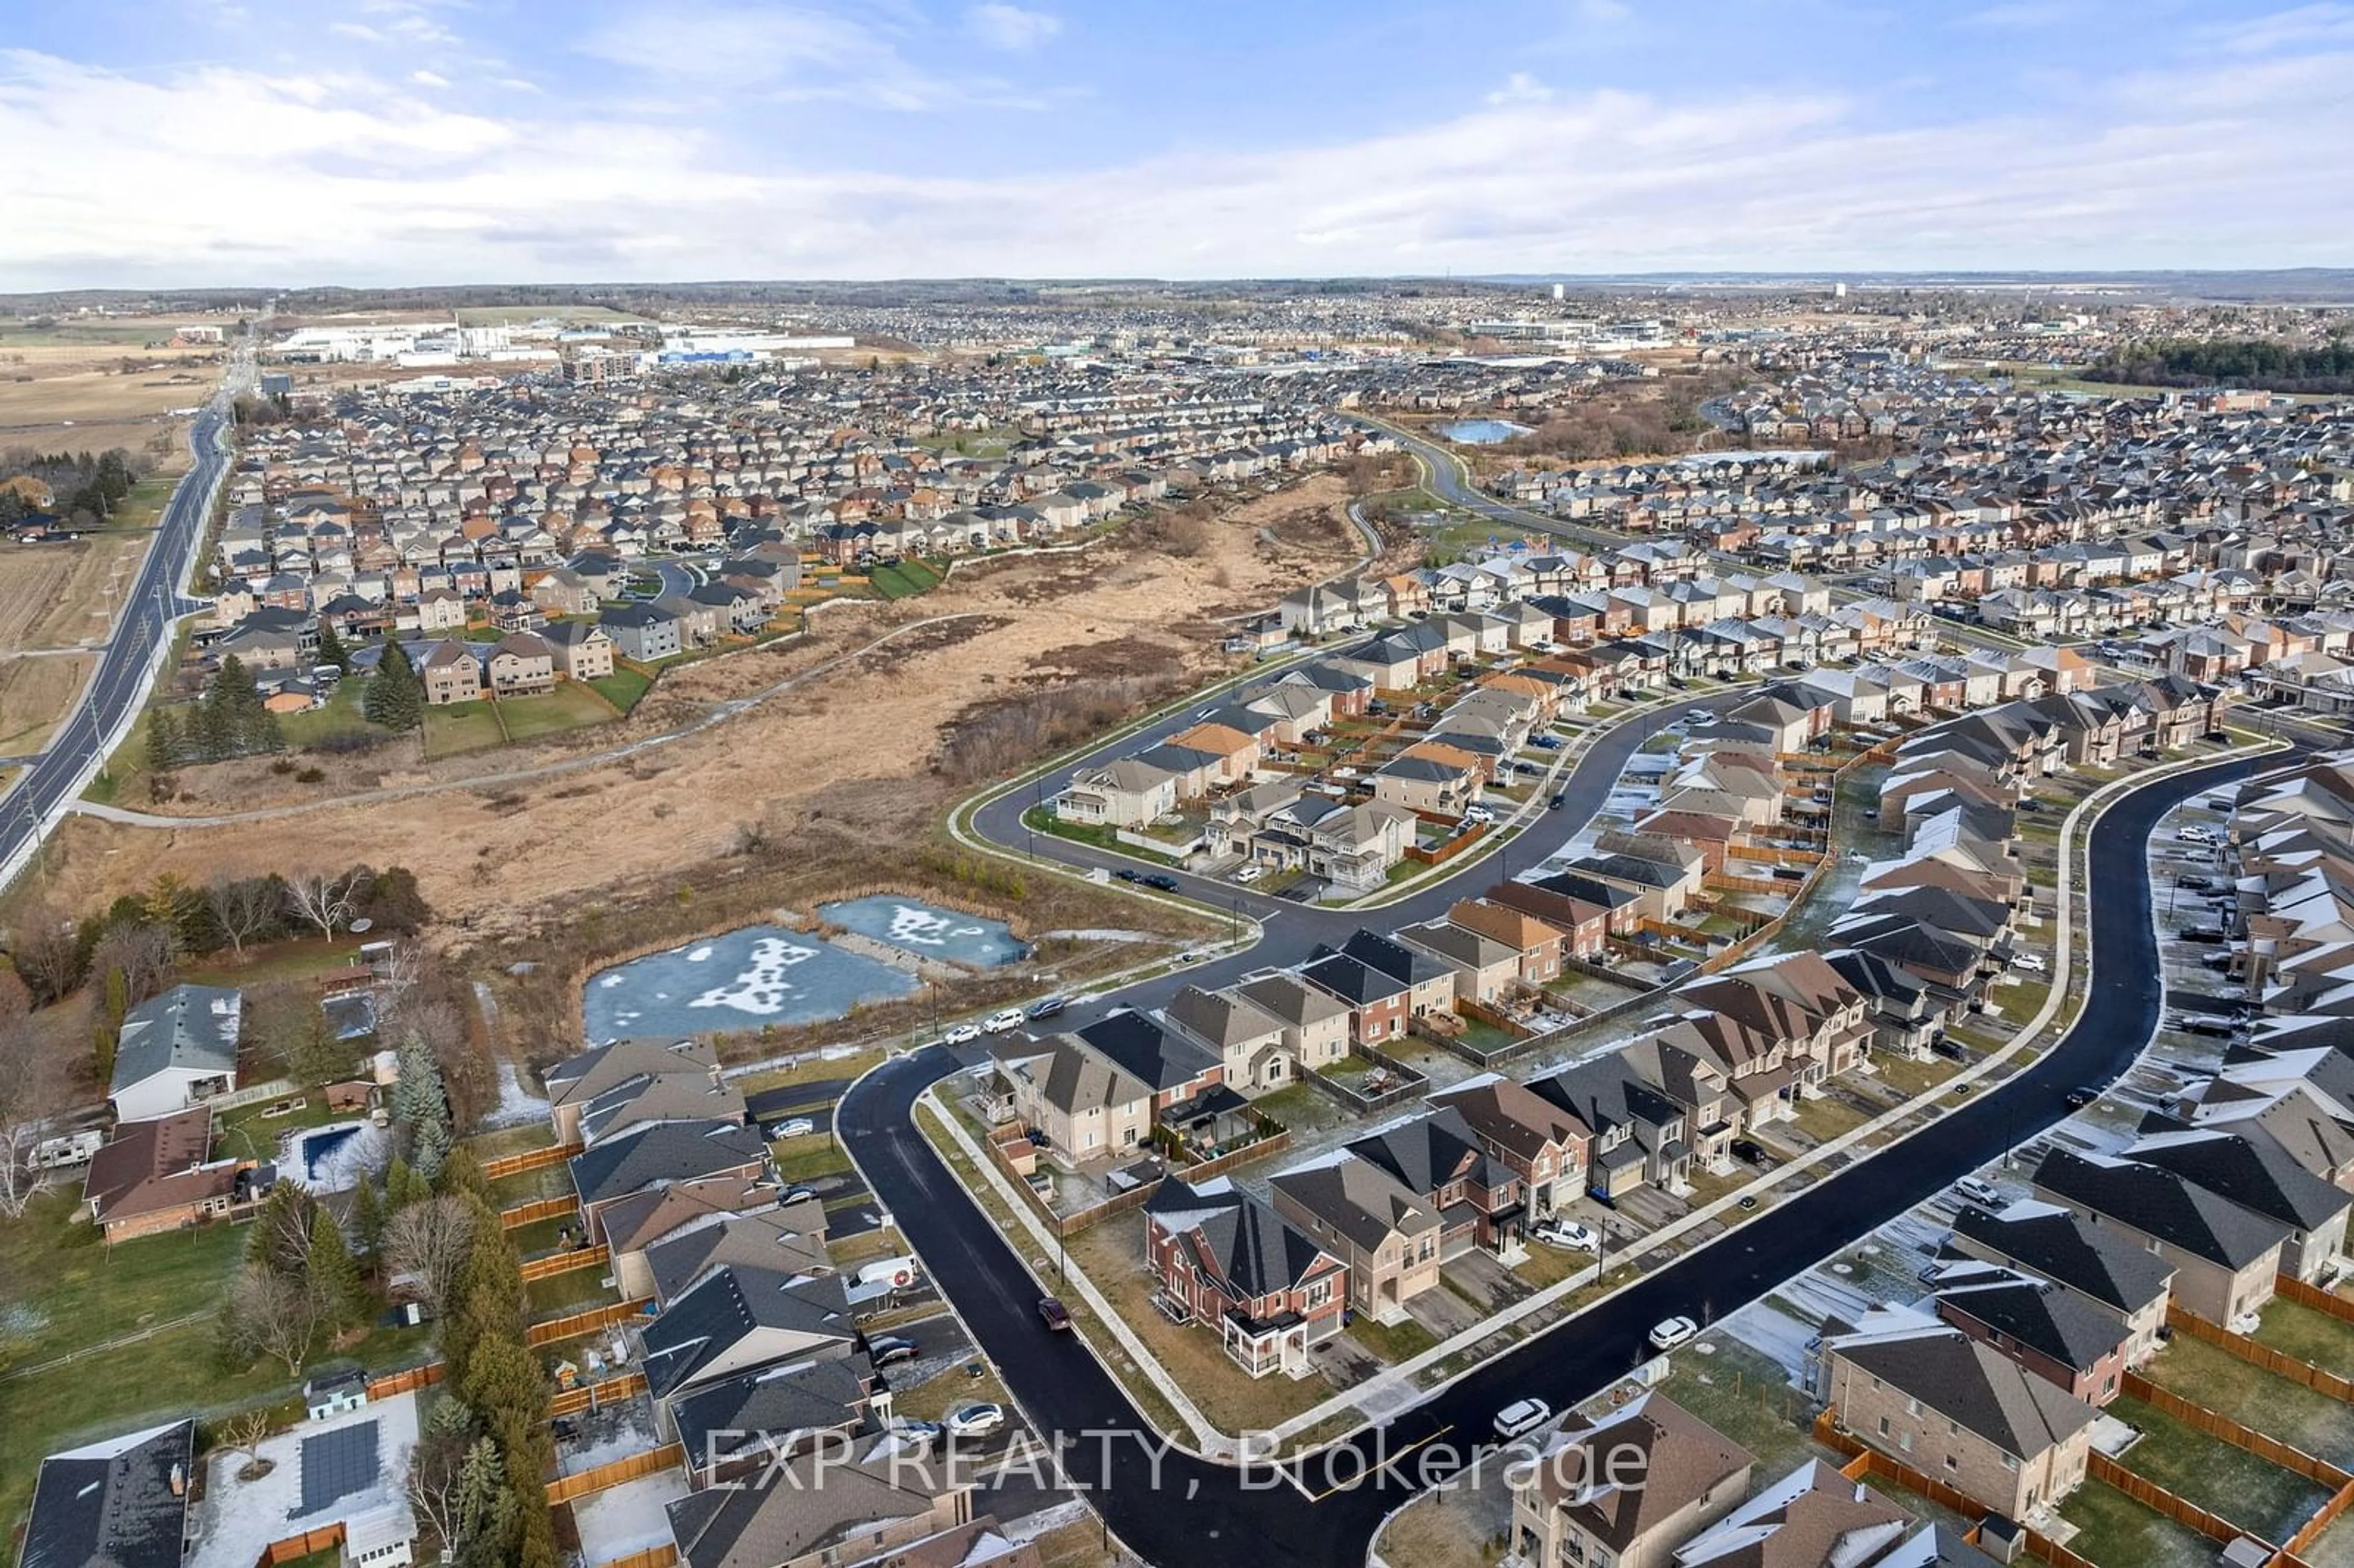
{"points": [[1221, 1257], [1626, 1488], [1122, 794], [157, 1175], [820, 1512], [576, 1082], [583, 651], [645, 632], [1537, 945], [741, 1318], [523, 664], [2052, 1332], [638, 1226], [2097, 1264], [1543, 1145], [2261, 1177], [1478, 1198], [1316, 1023], [1386, 1235], [662, 1154], [1248, 1039], [1086, 1104], [176, 1049], [1931, 1397], [450, 673], [2226, 1258], [123, 1503]]}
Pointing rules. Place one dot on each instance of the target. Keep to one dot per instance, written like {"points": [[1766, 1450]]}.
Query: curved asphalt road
{"points": [[126, 662], [1179, 1511]]}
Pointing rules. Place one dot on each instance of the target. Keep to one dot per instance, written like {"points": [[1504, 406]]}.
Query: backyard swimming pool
{"points": [[740, 980], [920, 927]]}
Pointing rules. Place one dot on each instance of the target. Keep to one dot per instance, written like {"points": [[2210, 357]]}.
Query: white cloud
{"points": [[793, 53], [428, 78], [1521, 88], [1009, 27], [321, 178]]}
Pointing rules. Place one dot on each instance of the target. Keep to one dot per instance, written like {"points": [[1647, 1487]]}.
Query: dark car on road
{"points": [[1053, 1314], [2081, 1096], [1560, 799], [1160, 879], [891, 1351], [1125, 874], [1048, 1006]]}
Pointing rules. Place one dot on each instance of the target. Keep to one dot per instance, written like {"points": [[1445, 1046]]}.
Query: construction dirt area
{"points": [[63, 594], [867, 747]]}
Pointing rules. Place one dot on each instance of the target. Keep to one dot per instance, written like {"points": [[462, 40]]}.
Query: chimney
{"points": [[179, 1481]]}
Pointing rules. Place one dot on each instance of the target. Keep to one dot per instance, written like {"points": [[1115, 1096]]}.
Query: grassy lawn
{"points": [[462, 727], [1111, 1255], [336, 718], [905, 580], [815, 1069], [1549, 1266], [248, 1134], [1394, 1342], [518, 1139], [934, 1399], [570, 705], [143, 507], [1746, 1395], [69, 1290], [1038, 820], [528, 1186], [1826, 1117], [2309, 1335], [2254, 1397], [2116, 1531], [2252, 1493], [296, 958], [623, 687], [821, 1158], [1914, 1077], [559, 1295]]}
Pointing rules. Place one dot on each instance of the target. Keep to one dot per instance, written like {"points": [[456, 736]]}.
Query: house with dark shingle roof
{"points": [[1931, 1397], [1230, 1262], [1386, 1233], [662, 1154], [2097, 1264], [2226, 1258], [2052, 1332], [1480, 1199], [2258, 1175], [121, 1503], [739, 1319], [1628, 1486]]}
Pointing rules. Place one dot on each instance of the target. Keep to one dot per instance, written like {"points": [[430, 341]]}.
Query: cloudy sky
{"points": [[150, 142]]}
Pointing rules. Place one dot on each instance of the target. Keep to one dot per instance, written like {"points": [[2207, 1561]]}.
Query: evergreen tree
{"points": [[368, 1216], [165, 746], [429, 1147], [212, 729], [462, 1177], [333, 1274], [396, 697], [331, 650], [421, 1109], [403, 1186]]}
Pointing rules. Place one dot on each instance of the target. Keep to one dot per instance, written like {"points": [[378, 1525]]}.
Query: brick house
{"points": [[1227, 1260]]}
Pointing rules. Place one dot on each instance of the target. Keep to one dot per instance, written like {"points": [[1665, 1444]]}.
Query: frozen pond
{"points": [[751, 976], [925, 932], [1483, 432]]}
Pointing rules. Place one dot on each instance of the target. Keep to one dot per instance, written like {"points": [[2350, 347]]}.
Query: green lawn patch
{"points": [[623, 687], [2254, 1494], [909, 577], [2116, 1531], [571, 706], [1039, 820], [1746, 1395], [2309, 1335], [69, 1290], [2254, 1397], [456, 727], [339, 718], [1394, 1342], [825, 1160]]}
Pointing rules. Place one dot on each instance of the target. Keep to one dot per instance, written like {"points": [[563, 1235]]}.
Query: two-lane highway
{"points": [[127, 663], [1178, 1510]]}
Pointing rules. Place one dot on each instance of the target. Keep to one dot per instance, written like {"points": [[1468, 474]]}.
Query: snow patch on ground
{"points": [[630, 1518], [516, 1104]]}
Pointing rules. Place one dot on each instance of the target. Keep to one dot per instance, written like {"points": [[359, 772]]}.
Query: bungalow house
{"points": [[1388, 1236], [157, 1175], [175, 1050], [1928, 1395], [574, 1083], [1222, 1258], [739, 1318]]}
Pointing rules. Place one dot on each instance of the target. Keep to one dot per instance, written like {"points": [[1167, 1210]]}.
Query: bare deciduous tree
{"points": [[243, 907], [271, 1314], [243, 1433], [326, 902], [34, 1088], [45, 954], [424, 1245], [142, 953]]}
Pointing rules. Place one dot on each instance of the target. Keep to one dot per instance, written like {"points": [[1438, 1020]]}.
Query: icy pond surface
{"points": [[740, 980], [926, 931]]}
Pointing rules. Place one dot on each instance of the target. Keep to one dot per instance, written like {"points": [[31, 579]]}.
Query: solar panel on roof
{"points": [[337, 1464]]}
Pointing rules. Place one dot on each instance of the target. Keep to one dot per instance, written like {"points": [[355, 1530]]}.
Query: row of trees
{"points": [[2234, 361], [229, 720], [395, 696], [86, 489]]}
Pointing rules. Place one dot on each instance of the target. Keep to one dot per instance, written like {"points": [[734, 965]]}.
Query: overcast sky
{"points": [[148, 142]]}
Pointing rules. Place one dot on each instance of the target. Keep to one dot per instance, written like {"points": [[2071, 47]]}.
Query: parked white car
{"points": [[1003, 1021], [1568, 1234], [1699, 715], [1979, 1190], [976, 1420], [1477, 814], [2032, 962], [1522, 1418], [962, 1034], [1250, 874], [799, 1127], [1674, 1332]]}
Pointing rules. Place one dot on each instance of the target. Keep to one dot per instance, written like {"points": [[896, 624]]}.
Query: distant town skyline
{"points": [[188, 142]]}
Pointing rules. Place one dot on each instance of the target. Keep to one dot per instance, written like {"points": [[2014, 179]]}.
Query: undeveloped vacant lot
{"points": [[35, 694], [87, 388], [55, 596], [854, 749]]}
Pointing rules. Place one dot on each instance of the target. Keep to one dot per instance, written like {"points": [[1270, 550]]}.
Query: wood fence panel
{"points": [[403, 1382], [2313, 1296], [2318, 1378], [2215, 1424], [572, 1401], [2157, 1499], [535, 1211], [589, 1322], [548, 1267], [294, 1548], [617, 1472], [529, 1159], [2310, 1530], [662, 1556]]}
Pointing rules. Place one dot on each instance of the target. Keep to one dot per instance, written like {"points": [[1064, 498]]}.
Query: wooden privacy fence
{"points": [[2182, 1510], [399, 1383], [294, 1548], [572, 1401], [2055, 1555], [618, 1472], [538, 1209], [529, 1159], [589, 1322], [2313, 1296], [2318, 1378], [662, 1556], [2310, 1530], [564, 1262], [2216, 1425]]}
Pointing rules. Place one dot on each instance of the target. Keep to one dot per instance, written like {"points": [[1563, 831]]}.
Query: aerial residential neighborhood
{"points": [[1002, 785]]}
